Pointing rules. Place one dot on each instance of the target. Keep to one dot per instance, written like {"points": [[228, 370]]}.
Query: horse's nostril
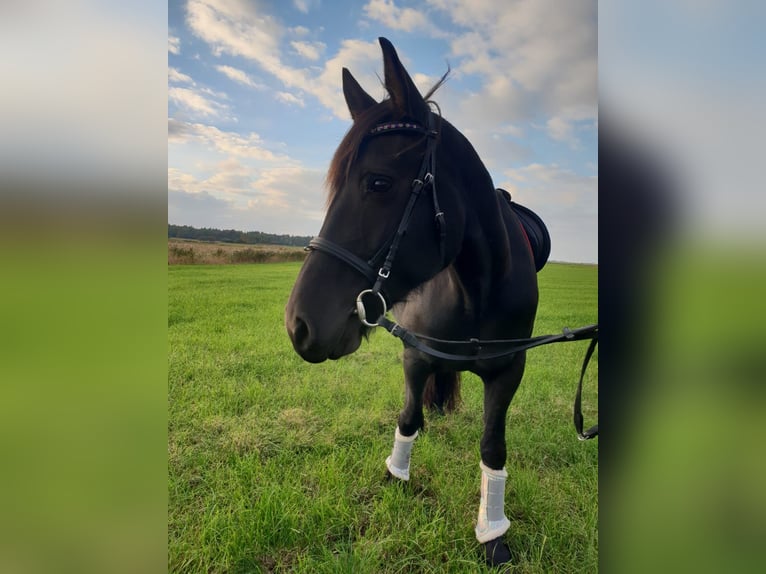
{"points": [[300, 332]]}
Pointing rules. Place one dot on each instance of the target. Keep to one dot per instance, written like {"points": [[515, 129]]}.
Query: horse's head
{"points": [[389, 152]]}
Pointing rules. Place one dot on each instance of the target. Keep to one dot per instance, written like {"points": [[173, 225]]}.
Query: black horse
{"points": [[456, 264]]}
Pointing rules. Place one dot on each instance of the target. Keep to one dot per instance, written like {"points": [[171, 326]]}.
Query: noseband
{"points": [[375, 272]]}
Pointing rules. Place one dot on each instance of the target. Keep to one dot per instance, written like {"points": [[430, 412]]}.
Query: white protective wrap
{"points": [[399, 462], [492, 521]]}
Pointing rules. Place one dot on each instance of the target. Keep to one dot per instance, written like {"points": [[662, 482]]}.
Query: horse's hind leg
{"points": [[442, 392], [492, 522], [416, 372]]}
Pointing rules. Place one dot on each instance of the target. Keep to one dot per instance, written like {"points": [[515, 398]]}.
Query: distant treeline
{"points": [[234, 236]]}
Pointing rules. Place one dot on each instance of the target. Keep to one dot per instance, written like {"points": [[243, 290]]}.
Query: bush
{"points": [[182, 255], [249, 256]]}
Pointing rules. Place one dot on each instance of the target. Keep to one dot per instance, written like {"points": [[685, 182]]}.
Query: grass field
{"points": [[276, 465]]}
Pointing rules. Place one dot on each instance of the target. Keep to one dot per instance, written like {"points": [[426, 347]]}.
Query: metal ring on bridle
{"points": [[362, 311]]}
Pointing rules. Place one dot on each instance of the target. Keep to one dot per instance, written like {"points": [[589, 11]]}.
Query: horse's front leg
{"points": [[492, 523], [416, 372]]}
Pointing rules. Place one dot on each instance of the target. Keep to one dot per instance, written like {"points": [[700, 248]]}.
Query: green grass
{"points": [[276, 465]]}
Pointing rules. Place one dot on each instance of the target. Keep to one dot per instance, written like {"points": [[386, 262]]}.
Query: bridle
{"points": [[375, 271]]}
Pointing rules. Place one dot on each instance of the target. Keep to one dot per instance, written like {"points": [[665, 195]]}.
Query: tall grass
{"points": [[191, 252], [276, 465]]}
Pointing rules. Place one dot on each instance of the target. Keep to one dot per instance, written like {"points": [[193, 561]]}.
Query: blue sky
{"points": [[255, 107]]}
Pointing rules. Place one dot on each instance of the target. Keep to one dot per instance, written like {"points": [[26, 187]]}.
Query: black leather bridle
{"points": [[375, 271]]}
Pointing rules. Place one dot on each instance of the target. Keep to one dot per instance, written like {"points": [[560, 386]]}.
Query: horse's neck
{"points": [[479, 266], [483, 262], [455, 303], [460, 298]]}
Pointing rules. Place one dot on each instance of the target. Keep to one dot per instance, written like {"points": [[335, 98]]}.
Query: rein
{"points": [[374, 297], [508, 348]]}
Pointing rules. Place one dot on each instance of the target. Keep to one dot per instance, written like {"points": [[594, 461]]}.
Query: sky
{"points": [[256, 110]]}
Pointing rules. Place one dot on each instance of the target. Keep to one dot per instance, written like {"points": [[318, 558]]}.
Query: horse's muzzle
{"points": [[313, 348], [304, 343]]}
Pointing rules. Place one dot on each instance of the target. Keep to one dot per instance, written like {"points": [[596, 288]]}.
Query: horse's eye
{"points": [[378, 184]]}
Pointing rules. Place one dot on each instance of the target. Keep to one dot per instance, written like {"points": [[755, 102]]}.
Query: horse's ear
{"points": [[405, 97], [357, 99]]}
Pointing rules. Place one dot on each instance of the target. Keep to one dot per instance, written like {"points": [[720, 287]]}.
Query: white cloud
{"points": [[560, 130], [363, 59], [241, 185], [288, 98], [231, 176], [424, 81], [238, 29], [284, 199], [239, 76], [228, 143], [300, 31], [178, 77], [536, 60], [539, 58], [509, 129], [389, 14], [180, 180], [174, 45], [305, 5], [309, 50], [228, 178], [292, 188], [557, 194], [195, 103], [199, 209]]}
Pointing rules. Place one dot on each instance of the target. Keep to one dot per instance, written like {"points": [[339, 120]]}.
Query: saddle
{"points": [[534, 228]]}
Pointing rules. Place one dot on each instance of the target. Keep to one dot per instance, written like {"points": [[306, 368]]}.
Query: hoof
{"points": [[390, 478], [496, 552]]}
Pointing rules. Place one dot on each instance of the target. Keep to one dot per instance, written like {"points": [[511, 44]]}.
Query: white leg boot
{"points": [[399, 462], [492, 521]]}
